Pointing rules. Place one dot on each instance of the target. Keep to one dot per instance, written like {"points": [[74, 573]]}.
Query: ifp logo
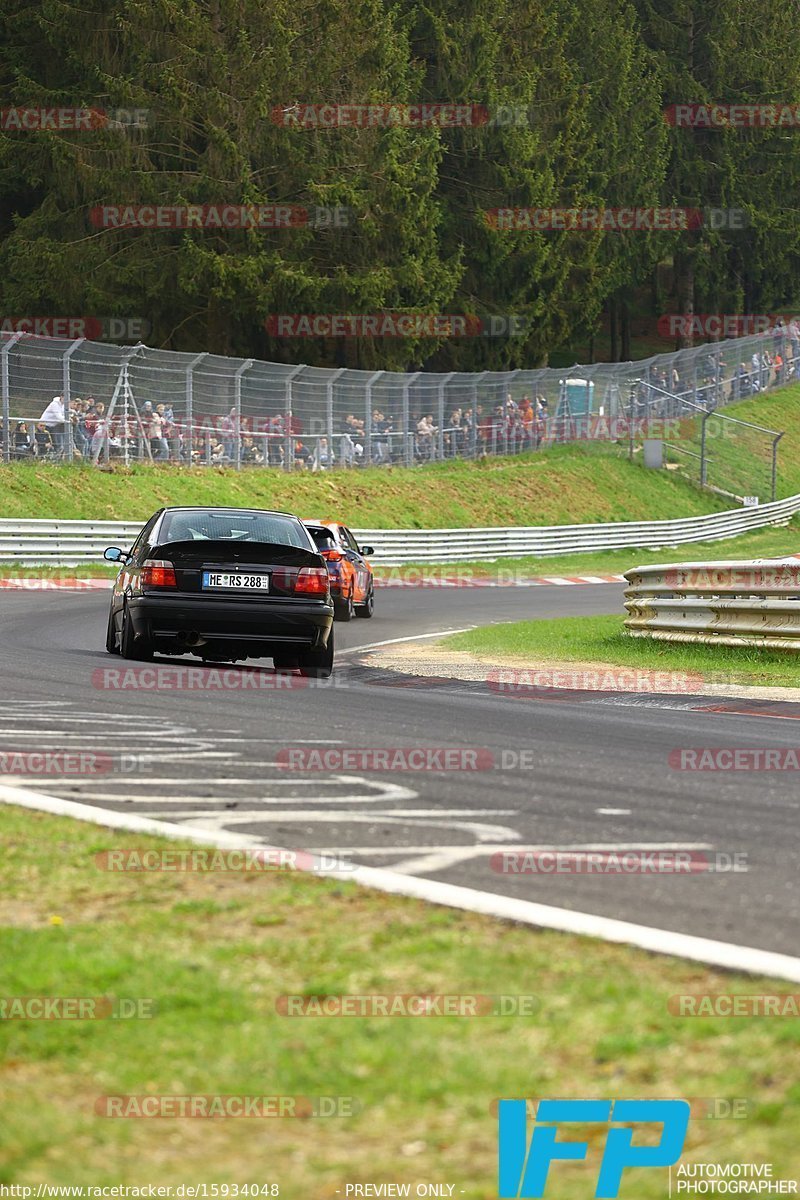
{"points": [[523, 1170]]}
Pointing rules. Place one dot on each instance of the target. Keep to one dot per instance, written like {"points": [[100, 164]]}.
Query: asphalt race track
{"points": [[598, 773]]}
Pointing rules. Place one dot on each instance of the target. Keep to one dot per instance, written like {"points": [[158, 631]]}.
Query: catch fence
{"points": [[139, 404]]}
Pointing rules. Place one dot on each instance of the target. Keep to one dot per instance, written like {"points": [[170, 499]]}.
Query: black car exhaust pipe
{"points": [[190, 639]]}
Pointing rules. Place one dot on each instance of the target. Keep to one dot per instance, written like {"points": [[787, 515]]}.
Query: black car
{"points": [[224, 584]]}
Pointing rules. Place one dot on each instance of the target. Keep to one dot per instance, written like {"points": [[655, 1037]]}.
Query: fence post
{"points": [[473, 433], [329, 410], [288, 440], [440, 414], [408, 437], [67, 448], [190, 400], [703, 464], [368, 417], [4, 353], [237, 390], [775, 463]]}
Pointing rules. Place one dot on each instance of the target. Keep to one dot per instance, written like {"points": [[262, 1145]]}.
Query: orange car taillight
{"points": [[156, 572], [312, 581], [332, 555]]}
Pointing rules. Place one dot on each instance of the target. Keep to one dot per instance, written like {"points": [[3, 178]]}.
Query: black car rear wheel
{"points": [[111, 634], [139, 649], [318, 664], [368, 607], [343, 609]]}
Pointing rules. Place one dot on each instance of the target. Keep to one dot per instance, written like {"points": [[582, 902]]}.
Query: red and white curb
{"points": [[33, 584]]}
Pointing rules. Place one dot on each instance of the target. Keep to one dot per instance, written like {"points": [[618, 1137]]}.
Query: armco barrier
{"points": [[721, 603], [68, 543]]}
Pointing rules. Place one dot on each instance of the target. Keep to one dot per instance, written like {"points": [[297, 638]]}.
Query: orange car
{"points": [[352, 584]]}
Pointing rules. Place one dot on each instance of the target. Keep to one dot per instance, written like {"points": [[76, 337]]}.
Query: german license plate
{"points": [[238, 581]]}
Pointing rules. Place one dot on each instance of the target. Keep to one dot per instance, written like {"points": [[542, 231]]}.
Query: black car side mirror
{"points": [[367, 551], [114, 554]]}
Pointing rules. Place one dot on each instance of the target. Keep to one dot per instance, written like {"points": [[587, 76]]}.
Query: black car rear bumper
{"points": [[165, 619]]}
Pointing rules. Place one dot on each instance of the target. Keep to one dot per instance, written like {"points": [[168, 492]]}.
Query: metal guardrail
{"points": [[69, 543], [722, 603]]}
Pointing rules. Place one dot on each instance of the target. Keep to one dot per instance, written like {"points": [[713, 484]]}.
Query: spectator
{"points": [[229, 430], [323, 458], [426, 431], [154, 431], [80, 437], [250, 452], [54, 418], [98, 424], [21, 444], [381, 428], [43, 445], [794, 341], [350, 445]]}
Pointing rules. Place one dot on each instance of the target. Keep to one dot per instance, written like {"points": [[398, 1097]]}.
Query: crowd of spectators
{"points": [[152, 431]]}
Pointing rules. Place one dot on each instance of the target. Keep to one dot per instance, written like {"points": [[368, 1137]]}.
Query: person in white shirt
{"points": [[54, 418]]}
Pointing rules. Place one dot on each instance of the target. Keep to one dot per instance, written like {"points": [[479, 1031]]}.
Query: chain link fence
{"points": [[89, 401]]}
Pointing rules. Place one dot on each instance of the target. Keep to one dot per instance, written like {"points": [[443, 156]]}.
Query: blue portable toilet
{"points": [[575, 398]]}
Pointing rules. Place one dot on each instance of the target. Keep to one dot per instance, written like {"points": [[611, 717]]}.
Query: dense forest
{"points": [[197, 104]]}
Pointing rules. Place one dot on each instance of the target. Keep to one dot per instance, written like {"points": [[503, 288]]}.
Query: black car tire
{"points": [[318, 664], [138, 649], [343, 610], [111, 635], [368, 607]]}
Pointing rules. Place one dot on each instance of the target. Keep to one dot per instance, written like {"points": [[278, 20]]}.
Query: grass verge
{"points": [[215, 951], [602, 640], [564, 485]]}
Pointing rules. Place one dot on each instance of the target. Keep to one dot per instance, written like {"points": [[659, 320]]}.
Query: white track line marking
{"points": [[417, 637], [526, 912], [613, 812]]}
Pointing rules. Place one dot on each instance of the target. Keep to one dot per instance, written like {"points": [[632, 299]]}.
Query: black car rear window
{"points": [[223, 526], [323, 538]]}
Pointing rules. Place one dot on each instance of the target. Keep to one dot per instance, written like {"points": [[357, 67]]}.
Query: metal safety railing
{"points": [[720, 603], [67, 543]]}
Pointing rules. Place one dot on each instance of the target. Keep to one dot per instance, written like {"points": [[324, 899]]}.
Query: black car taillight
{"points": [[157, 572], [312, 581]]}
